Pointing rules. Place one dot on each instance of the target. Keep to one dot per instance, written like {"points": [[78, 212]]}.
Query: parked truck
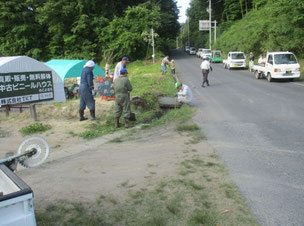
{"points": [[278, 65], [216, 56], [235, 60], [16, 198]]}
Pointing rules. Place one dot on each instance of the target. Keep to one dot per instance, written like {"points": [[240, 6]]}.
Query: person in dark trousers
{"points": [[206, 67], [85, 91], [122, 87]]}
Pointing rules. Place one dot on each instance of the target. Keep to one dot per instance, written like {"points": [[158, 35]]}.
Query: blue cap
{"points": [[126, 59], [123, 71]]}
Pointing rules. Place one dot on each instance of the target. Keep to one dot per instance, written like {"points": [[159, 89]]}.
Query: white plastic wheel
{"points": [[42, 148]]}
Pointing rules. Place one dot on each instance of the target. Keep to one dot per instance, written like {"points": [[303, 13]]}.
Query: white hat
{"points": [[90, 63]]}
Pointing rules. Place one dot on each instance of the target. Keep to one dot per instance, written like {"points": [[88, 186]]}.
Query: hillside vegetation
{"points": [[249, 25], [86, 29], [276, 26]]}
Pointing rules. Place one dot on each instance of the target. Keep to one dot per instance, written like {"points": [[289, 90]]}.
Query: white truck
{"points": [[16, 200], [278, 65], [235, 60], [205, 53]]}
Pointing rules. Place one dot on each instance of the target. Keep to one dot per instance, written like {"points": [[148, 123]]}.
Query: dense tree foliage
{"points": [[249, 25], [85, 29]]}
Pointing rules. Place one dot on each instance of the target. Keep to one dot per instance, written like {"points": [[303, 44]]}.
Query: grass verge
{"points": [[148, 83]]}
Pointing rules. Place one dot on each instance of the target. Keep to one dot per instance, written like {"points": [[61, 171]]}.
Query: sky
{"points": [[184, 4]]}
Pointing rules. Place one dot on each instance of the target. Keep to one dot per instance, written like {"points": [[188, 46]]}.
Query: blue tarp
{"points": [[71, 68]]}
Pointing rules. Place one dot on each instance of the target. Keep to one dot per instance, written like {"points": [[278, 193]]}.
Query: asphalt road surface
{"points": [[257, 128]]}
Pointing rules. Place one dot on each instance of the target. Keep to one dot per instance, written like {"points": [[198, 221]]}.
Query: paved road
{"points": [[257, 128]]}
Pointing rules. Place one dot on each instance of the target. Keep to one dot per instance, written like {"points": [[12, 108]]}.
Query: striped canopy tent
{"points": [[71, 68]]}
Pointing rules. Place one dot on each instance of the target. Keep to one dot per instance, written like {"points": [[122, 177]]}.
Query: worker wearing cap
{"points": [[120, 65], [122, 87], [85, 91], [206, 68], [184, 94]]}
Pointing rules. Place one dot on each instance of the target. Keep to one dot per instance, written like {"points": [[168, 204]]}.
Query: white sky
{"points": [[184, 4]]}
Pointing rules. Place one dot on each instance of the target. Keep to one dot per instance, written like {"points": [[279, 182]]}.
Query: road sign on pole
{"points": [[204, 25]]}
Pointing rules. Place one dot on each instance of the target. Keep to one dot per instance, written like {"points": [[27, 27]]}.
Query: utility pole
{"points": [[210, 24], [188, 33], [214, 31], [153, 55]]}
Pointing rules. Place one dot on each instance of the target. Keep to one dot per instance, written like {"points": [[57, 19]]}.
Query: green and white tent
{"points": [[71, 68]]}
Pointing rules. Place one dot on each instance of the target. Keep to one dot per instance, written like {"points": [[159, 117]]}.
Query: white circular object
{"points": [[42, 151]]}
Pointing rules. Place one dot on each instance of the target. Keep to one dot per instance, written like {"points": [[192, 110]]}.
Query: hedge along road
{"points": [[257, 128]]}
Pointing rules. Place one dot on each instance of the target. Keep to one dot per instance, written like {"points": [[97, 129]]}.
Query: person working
{"points": [[164, 64], [251, 61], [172, 65], [120, 65], [206, 67], [122, 87], [184, 94], [262, 60], [85, 91]]}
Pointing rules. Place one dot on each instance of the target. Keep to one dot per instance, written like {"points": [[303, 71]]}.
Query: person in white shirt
{"points": [[262, 60], [120, 65], [184, 94], [206, 67], [164, 64]]}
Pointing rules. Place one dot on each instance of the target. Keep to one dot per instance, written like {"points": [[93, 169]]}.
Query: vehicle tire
{"points": [[257, 74], [269, 79], [291, 79], [225, 66], [228, 67]]}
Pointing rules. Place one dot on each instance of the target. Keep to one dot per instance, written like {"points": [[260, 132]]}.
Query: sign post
{"points": [[204, 25]]}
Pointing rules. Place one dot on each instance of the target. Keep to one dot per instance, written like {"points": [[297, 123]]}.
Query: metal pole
{"points": [[188, 33], [210, 24], [215, 31], [153, 56]]}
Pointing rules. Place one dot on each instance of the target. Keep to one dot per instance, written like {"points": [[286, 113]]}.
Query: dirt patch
{"points": [[64, 121]]}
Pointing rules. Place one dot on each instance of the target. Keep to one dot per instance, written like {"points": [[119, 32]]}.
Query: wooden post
{"points": [[33, 112], [7, 110]]}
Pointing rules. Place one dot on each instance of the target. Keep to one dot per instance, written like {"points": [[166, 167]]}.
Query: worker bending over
{"points": [[184, 94]]}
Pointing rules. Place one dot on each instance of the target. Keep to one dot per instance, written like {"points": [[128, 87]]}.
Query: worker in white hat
{"points": [[85, 91]]}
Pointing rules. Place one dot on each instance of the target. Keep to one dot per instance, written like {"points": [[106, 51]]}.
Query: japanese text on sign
{"points": [[18, 88]]}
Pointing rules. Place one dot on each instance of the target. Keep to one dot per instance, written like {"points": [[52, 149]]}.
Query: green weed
{"points": [[116, 140], [187, 127], [34, 128], [203, 216]]}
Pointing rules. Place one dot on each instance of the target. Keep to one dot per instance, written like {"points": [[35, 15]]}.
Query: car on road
{"points": [[216, 56], [199, 52], [192, 51], [278, 65], [187, 48], [205, 53], [235, 60]]}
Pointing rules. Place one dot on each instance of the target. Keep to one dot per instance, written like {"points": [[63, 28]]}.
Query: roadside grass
{"points": [[148, 83], [191, 130], [34, 128], [205, 196]]}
